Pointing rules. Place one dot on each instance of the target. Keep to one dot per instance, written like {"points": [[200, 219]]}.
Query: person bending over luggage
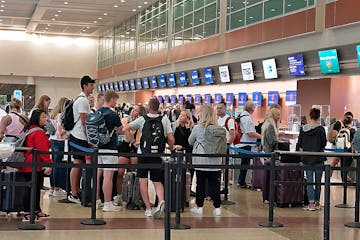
{"points": [[37, 140], [113, 124], [197, 140], [125, 146], [312, 138], [155, 129]]}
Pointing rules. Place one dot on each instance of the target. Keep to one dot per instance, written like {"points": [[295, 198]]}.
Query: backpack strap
{"points": [[22, 118], [73, 107], [226, 123]]}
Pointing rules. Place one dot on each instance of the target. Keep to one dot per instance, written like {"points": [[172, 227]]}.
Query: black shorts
{"points": [[156, 175], [79, 142], [124, 147]]}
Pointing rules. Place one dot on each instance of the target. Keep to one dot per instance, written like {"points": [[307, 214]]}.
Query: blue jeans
{"points": [[58, 175], [313, 191]]}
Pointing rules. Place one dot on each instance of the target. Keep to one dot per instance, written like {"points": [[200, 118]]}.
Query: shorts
{"points": [[124, 147], [156, 175], [79, 142], [107, 159]]}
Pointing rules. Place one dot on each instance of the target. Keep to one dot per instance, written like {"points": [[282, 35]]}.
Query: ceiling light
{"points": [[139, 6], [105, 14], [100, 18], [2, 6], [0, 20], [1, 10], [289, 5], [84, 30], [122, 1], [3, 1], [56, 15], [95, 21], [49, 25], [66, 3], [59, 11], [273, 10], [145, 2], [134, 10], [116, 6], [53, 19], [87, 27], [46, 28]]}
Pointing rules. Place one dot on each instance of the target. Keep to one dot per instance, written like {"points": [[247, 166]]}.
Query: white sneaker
{"points": [[110, 207], [51, 192], [59, 193], [148, 212], [117, 201], [99, 204], [197, 210], [74, 199], [159, 210], [217, 212]]}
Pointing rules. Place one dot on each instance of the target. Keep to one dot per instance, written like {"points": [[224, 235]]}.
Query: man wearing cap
{"points": [[77, 135]]}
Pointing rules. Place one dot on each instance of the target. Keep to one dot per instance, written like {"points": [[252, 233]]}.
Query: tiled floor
{"points": [[238, 221]]}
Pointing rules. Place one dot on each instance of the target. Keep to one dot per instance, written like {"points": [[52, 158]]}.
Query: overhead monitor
{"points": [[154, 83], [99, 87], [173, 99], [208, 76], [358, 53], [273, 98], [257, 99], [106, 86], [103, 88], [207, 99], [247, 71], [296, 65], [269, 67], [126, 85], [138, 83], [229, 98], [189, 98], [242, 99], [172, 80], [132, 84], [218, 98], [197, 99], [146, 83], [181, 99], [116, 86], [195, 77], [166, 99], [182, 78], [290, 98], [162, 80], [111, 86], [160, 98], [329, 62], [121, 86], [224, 74]]}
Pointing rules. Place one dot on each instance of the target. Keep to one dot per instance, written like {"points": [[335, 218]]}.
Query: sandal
{"points": [[42, 215], [26, 218]]}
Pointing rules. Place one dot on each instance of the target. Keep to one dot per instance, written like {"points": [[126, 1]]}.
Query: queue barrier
{"points": [[168, 164]]}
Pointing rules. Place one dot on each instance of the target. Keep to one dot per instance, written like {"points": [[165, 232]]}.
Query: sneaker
{"points": [[74, 199], [110, 207], [148, 212], [51, 192], [59, 193], [26, 218], [317, 206], [159, 210], [197, 210], [99, 204], [217, 212], [117, 201], [310, 207]]}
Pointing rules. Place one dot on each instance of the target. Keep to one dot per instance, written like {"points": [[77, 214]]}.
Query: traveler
{"points": [[99, 101], [43, 104], [226, 122], [270, 130]]}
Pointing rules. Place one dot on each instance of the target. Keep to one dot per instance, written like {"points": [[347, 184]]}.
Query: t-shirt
{"points": [[247, 126], [231, 124], [139, 123], [112, 120], [81, 105]]}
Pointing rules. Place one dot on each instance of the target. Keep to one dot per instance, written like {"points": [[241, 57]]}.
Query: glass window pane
{"points": [[210, 12], [210, 29], [155, 34], [237, 19], [273, 8], [199, 32], [237, 5], [254, 14], [178, 40], [178, 25], [293, 5], [155, 21], [199, 17], [211, 1], [311, 3], [188, 6], [162, 18], [251, 2], [162, 31], [178, 11], [198, 4], [188, 36], [188, 21], [163, 7], [148, 25]]}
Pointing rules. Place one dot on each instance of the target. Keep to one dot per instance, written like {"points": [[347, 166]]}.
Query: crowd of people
{"points": [[182, 127]]}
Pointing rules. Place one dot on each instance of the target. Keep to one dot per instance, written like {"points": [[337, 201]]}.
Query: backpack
{"points": [[215, 140], [96, 131], [50, 128], [67, 116], [18, 156], [356, 141], [152, 137], [329, 135], [237, 129], [342, 140]]}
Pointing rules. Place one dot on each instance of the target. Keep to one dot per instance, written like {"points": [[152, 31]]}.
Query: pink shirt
{"points": [[15, 127]]}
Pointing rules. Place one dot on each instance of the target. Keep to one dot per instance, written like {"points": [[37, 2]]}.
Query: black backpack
{"points": [[67, 116], [152, 137]]}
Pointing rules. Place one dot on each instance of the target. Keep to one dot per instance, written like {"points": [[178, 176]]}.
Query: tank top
{"points": [[15, 127]]}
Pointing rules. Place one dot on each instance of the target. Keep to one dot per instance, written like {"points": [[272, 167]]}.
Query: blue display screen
{"points": [[181, 99], [116, 86], [296, 65], [242, 98], [126, 85], [182, 78], [132, 84], [121, 86], [154, 82], [160, 98], [273, 98], [208, 75], [197, 99], [218, 98], [111, 86], [99, 88], [207, 99], [195, 77], [173, 99], [172, 81], [102, 87], [230, 98], [166, 99], [290, 98], [146, 83], [257, 99], [162, 80], [138, 83]]}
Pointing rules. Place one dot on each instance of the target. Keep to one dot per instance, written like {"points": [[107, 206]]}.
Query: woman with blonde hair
{"points": [[197, 139], [270, 130], [58, 176], [43, 104]]}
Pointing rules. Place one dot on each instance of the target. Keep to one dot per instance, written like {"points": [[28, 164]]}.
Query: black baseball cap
{"points": [[85, 80]]}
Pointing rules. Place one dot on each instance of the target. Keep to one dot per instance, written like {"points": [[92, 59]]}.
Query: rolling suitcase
{"points": [[259, 176], [11, 197]]}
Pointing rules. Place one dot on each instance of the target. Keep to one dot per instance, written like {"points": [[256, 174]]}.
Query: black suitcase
{"points": [[86, 187], [11, 197]]}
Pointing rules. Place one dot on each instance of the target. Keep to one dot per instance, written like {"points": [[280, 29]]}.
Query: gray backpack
{"points": [[215, 137], [19, 156]]}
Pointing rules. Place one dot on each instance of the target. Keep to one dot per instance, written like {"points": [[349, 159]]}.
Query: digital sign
{"points": [[173, 99], [172, 81], [247, 71], [208, 75], [269, 67], [162, 80], [146, 83], [132, 84], [197, 99], [207, 99], [296, 65], [181, 99], [138, 83], [290, 98], [182, 78], [154, 83], [121, 86], [126, 85], [116, 86], [273, 98], [257, 99], [229, 99], [224, 74], [329, 62], [218, 98], [195, 77], [242, 98]]}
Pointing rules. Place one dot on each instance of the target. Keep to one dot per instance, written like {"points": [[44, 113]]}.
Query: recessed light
{"points": [[273, 10], [122, 1], [53, 19], [289, 5], [139, 6], [116, 6], [145, 2], [105, 14], [87, 27], [56, 15], [1, 10], [59, 11], [66, 3], [100, 18], [127, 33], [1, 20], [2, 6], [251, 17], [134, 10], [46, 28], [84, 30], [3, 1], [95, 21], [49, 25]]}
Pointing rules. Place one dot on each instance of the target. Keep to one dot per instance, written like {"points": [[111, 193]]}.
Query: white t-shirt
{"points": [[230, 124], [81, 105], [139, 123], [247, 126]]}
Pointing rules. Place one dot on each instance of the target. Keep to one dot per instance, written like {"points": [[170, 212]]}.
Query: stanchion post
{"points": [[327, 203], [271, 223], [356, 223], [179, 194], [93, 220], [167, 185], [226, 182], [344, 203], [32, 225]]}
